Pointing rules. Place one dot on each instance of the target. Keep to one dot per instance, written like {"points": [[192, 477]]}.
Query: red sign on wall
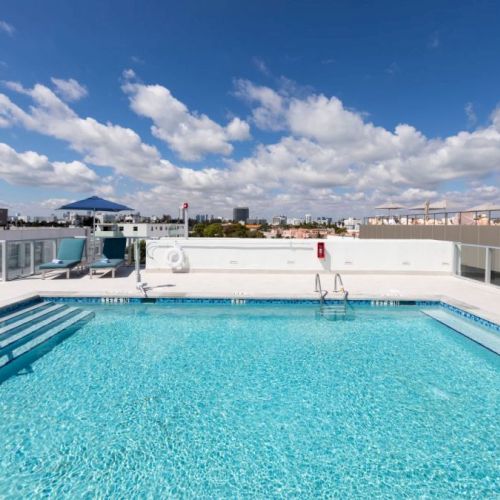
{"points": [[321, 250]]}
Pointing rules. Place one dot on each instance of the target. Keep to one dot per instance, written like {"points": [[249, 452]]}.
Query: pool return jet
{"points": [[337, 309]]}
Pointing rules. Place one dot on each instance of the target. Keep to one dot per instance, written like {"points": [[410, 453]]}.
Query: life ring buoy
{"points": [[175, 258]]}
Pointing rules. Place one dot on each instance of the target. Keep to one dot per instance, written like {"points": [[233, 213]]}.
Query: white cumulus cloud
{"points": [[69, 90], [327, 157], [6, 27], [322, 128], [32, 169], [190, 134], [105, 145], [268, 114]]}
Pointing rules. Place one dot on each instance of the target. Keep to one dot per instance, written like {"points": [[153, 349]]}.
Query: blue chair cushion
{"points": [[114, 248], [111, 263], [70, 252], [71, 249], [65, 264]]}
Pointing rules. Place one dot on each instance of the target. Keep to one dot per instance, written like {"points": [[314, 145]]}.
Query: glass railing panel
{"points": [[473, 262], [495, 266], [18, 259], [43, 252]]}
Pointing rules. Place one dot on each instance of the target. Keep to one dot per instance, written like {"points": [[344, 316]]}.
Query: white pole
{"points": [[137, 260], [186, 223], [4, 260], [93, 238], [487, 267], [32, 257], [458, 254]]}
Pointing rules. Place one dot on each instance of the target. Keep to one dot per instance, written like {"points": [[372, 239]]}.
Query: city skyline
{"points": [[329, 111]]}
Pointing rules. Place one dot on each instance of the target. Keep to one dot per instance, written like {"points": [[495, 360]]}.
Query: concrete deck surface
{"points": [[480, 299]]}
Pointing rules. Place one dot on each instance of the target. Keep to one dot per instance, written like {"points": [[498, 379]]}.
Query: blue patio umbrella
{"points": [[95, 204]]}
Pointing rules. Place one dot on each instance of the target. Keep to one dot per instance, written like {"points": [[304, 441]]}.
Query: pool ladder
{"points": [[338, 310]]}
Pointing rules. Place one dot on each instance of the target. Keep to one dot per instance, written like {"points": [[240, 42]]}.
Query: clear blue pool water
{"points": [[254, 401]]}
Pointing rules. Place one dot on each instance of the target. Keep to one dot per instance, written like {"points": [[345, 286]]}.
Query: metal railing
{"points": [[319, 289], [446, 218], [338, 279], [478, 262], [323, 293], [334, 310], [22, 257]]}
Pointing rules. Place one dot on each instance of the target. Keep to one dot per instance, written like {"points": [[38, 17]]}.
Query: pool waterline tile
{"points": [[242, 301]]}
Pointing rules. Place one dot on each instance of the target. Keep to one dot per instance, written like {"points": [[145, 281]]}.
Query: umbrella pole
{"points": [[93, 236], [137, 261]]}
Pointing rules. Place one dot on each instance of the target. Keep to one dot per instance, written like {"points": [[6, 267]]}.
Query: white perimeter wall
{"points": [[41, 233], [355, 255]]}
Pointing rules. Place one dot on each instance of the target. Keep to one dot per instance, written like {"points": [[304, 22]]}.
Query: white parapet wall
{"points": [[345, 255], [41, 233]]}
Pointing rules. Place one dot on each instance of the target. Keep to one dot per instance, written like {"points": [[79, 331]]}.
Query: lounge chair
{"points": [[113, 256], [69, 255]]}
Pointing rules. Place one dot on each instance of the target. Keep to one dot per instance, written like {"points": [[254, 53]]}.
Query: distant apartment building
{"points": [[132, 218], [308, 219], [139, 230], [324, 220], [351, 224], [4, 217], [202, 218], [105, 217], [20, 218], [74, 218], [299, 232], [241, 214], [43, 218], [279, 220], [256, 221], [294, 221]]}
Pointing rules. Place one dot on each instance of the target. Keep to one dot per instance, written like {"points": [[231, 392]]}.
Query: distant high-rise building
{"points": [[4, 216], [202, 217], [324, 220], [308, 218], [279, 220], [241, 214]]}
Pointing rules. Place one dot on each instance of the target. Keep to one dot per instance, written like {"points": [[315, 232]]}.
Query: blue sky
{"points": [[294, 107]]}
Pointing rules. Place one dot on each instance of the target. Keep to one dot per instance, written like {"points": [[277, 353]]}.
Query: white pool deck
{"points": [[480, 299]]}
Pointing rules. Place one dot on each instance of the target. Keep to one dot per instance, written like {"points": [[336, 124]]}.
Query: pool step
{"points": [[9, 318], [16, 325], [11, 338], [333, 311], [36, 327], [466, 327]]}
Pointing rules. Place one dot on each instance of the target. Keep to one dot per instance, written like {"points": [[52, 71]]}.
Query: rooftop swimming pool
{"points": [[255, 401]]}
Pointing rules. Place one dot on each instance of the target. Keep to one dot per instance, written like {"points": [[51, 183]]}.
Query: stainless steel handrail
{"points": [[319, 289], [338, 278], [334, 309]]}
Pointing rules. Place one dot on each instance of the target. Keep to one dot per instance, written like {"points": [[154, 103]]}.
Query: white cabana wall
{"points": [[345, 255]]}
